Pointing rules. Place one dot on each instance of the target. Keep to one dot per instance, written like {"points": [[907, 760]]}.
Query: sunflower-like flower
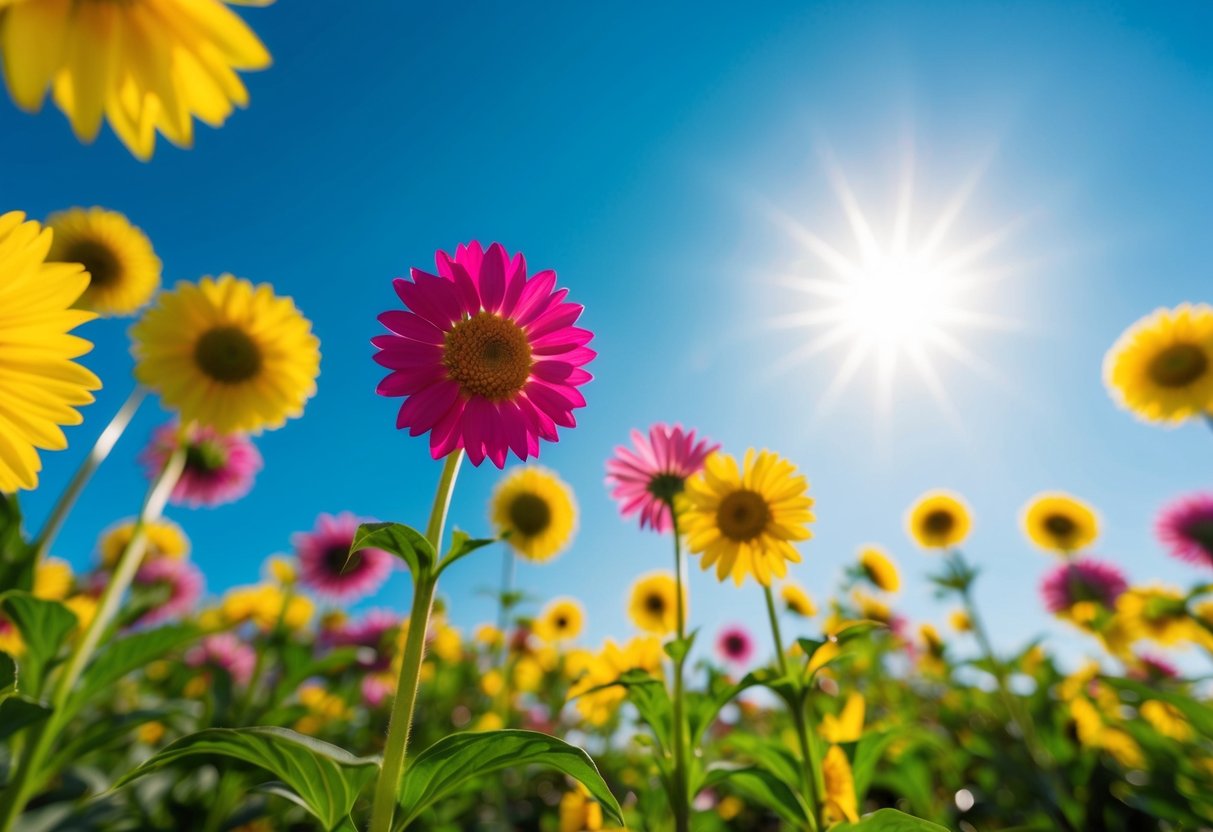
{"points": [[123, 270], [745, 519], [645, 478], [164, 540], [40, 385], [1060, 523], [487, 358], [604, 668], [653, 603], [939, 520], [796, 600], [228, 354], [146, 66], [537, 510], [879, 568], [1161, 368], [561, 620]]}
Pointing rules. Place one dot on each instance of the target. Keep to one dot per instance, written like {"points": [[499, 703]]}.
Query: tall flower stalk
{"points": [[682, 797]]}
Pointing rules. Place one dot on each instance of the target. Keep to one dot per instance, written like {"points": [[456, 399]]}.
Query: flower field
{"points": [[131, 699]]}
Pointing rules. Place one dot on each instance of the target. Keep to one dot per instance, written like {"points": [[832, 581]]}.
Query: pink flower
{"points": [[734, 644], [175, 585], [488, 360], [223, 651], [218, 469], [645, 478], [1085, 579], [376, 631], [325, 563], [1152, 668], [1185, 527], [376, 688]]}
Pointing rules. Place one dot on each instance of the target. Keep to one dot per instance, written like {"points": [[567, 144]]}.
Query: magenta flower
{"points": [[223, 651], [174, 584], [1185, 527], [646, 477], [1085, 579], [488, 360], [376, 632], [218, 469], [734, 644], [376, 688], [1151, 668], [325, 563]]}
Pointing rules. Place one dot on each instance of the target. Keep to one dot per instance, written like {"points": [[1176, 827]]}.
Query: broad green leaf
{"points": [[702, 709], [326, 778], [128, 654], [858, 629], [302, 665], [17, 712], [763, 787], [678, 648], [889, 820], [100, 734], [8, 675], [868, 752], [44, 625], [771, 754], [404, 542], [447, 767], [462, 545], [651, 699]]}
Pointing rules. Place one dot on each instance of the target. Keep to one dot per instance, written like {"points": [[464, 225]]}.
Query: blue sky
{"points": [[639, 153]]}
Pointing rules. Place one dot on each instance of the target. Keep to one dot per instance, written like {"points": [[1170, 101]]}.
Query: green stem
{"points": [[682, 798], [401, 720], [101, 449]]}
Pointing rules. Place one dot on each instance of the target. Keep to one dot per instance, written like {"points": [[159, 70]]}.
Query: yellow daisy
{"points": [[796, 600], [1158, 613], [939, 520], [145, 65], [653, 603], [124, 271], [164, 540], [40, 385], [579, 812], [228, 354], [52, 579], [561, 620], [879, 568], [1059, 523], [960, 621], [1161, 368], [745, 519], [642, 653], [1167, 720], [538, 511]]}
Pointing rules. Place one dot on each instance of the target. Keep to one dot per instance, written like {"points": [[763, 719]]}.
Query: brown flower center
{"points": [[204, 457], [488, 356], [530, 514], [654, 604], [1201, 531], [1060, 527], [561, 623], [339, 561], [98, 260], [938, 522], [228, 355], [1178, 365], [743, 515]]}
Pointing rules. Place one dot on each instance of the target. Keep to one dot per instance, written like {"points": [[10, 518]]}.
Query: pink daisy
{"points": [[218, 469], [1185, 527], [1081, 580], [734, 644], [223, 651], [488, 360], [325, 563], [173, 584], [376, 631], [646, 477], [377, 688]]}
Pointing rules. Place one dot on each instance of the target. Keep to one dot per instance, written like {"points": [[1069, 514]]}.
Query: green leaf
{"points": [[8, 675], [889, 820], [326, 778], [678, 648], [404, 542], [101, 734], [809, 645], [763, 787], [772, 755], [128, 654], [446, 767], [16, 556], [17, 712], [867, 754], [462, 545], [858, 629], [44, 625]]}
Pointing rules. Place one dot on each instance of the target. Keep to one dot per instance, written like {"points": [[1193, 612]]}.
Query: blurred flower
{"points": [[487, 359], [579, 812], [327, 566], [492, 683], [873, 609], [490, 636], [528, 674], [604, 668], [561, 620], [879, 569], [960, 621], [653, 603], [1167, 720], [218, 468], [537, 510], [1185, 527], [84, 607], [840, 801], [226, 652], [40, 385], [734, 645], [847, 726], [729, 807], [445, 642], [283, 569], [10, 639], [796, 600], [164, 540], [265, 605], [377, 688], [52, 579], [745, 519], [227, 354], [376, 630], [645, 478], [939, 520], [1161, 368], [323, 708], [1059, 523], [1082, 581], [124, 271], [1158, 613], [151, 733], [179, 581], [1152, 668]]}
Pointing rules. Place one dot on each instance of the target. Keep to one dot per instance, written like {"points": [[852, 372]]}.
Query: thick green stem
{"points": [[400, 723], [682, 798]]}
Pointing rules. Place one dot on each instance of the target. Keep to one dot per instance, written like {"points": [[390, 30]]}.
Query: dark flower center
{"points": [[98, 259], [530, 514], [1060, 527], [560, 622], [734, 645], [938, 522], [743, 515], [339, 561], [1201, 533], [1178, 365], [228, 355], [654, 604], [1080, 589], [204, 457], [488, 356], [666, 486]]}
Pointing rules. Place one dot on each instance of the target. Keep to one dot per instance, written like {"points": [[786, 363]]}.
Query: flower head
{"points": [[879, 569], [1151, 668], [596, 703], [327, 565], [164, 540], [218, 469], [734, 645], [123, 270], [561, 620], [266, 605], [1161, 368], [939, 520], [841, 803], [653, 603], [1159, 613], [226, 652], [1059, 523], [847, 725], [175, 584], [645, 478], [1082, 581], [52, 579], [1185, 527], [537, 510], [796, 600], [227, 354], [487, 358], [378, 631], [745, 519]]}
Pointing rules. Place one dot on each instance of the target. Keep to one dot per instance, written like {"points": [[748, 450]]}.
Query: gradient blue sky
{"points": [[639, 152]]}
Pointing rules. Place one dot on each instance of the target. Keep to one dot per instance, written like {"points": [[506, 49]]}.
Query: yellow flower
{"points": [[40, 385], [10, 639], [847, 726], [164, 540], [822, 656], [282, 569], [930, 638], [873, 609], [492, 683], [528, 674], [879, 568], [84, 607], [1156, 612], [52, 579], [729, 807], [561, 620], [1161, 368], [264, 605], [144, 66], [653, 603], [1057, 522], [840, 800], [538, 511], [939, 520], [744, 520], [227, 354], [489, 722], [1123, 748], [489, 636], [960, 621], [124, 271], [1167, 720], [578, 812], [642, 653], [446, 644], [150, 733], [323, 708], [796, 600]]}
